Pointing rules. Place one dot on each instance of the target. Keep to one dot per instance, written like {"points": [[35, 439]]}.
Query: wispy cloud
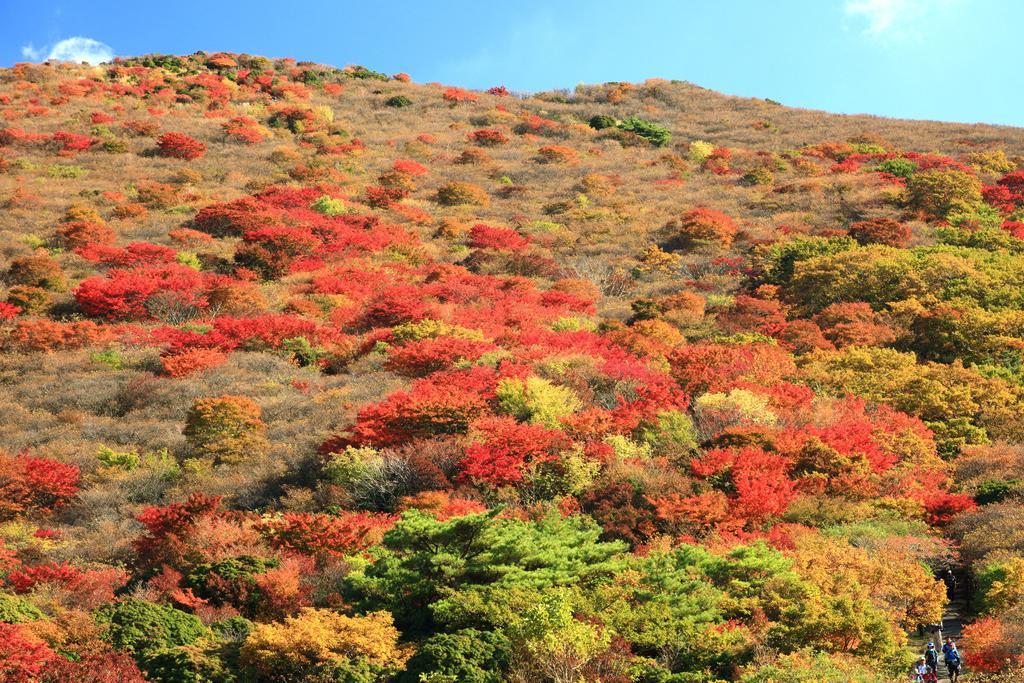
{"points": [[75, 49], [32, 53], [894, 18]]}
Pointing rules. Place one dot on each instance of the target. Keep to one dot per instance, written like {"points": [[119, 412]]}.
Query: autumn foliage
{"points": [[399, 381], [180, 146]]}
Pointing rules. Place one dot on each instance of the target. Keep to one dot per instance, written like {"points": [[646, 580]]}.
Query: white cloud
{"points": [[76, 49], [79, 49], [880, 14], [32, 53], [894, 18]]}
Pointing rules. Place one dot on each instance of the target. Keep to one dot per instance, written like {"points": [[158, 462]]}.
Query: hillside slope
{"points": [[321, 374]]}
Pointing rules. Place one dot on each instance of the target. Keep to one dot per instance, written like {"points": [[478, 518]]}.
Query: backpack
{"points": [[931, 658]]}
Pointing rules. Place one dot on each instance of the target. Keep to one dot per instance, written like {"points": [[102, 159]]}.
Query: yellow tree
{"points": [[320, 641], [225, 429]]}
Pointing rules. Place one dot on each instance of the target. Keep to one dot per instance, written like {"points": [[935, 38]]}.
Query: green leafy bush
{"points": [[938, 191], [362, 73], [899, 167], [143, 627], [465, 656], [16, 610], [536, 400], [330, 206], [657, 135]]}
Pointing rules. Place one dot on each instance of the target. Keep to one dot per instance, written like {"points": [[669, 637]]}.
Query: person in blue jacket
{"points": [[952, 658]]}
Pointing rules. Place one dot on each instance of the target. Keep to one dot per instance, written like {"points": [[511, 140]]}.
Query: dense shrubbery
{"points": [[496, 397]]}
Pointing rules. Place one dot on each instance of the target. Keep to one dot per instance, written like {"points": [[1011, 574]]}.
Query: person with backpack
{"points": [[920, 671], [952, 658], [931, 657]]}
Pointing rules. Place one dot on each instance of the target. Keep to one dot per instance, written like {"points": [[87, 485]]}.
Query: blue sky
{"points": [[952, 60]]}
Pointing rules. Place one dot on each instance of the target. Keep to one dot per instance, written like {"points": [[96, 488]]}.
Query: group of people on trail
{"points": [[927, 668]]}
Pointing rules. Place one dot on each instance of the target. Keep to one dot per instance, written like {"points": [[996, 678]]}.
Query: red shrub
{"points": [[623, 512], [504, 448], [30, 484], [191, 361], [162, 291], [31, 335], [315, 533], [188, 236], [285, 589], [180, 146], [234, 219], [271, 251], [1014, 182], [752, 314], [24, 579], [1015, 228], [17, 136], [244, 129], [488, 137], [1000, 197], [22, 655], [380, 197], [69, 143], [409, 168], [445, 403], [854, 324], [718, 367], [79, 234], [456, 95], [555, 154], [704, 225], [103, 667], [135, 254], [396, 305], [989, 645], [424, 356], [487, 237], [167, 527], [942, 506], [8, 310], [754, 497]]}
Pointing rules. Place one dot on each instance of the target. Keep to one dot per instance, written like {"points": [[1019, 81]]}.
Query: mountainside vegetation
{"points": [[320, 374]]}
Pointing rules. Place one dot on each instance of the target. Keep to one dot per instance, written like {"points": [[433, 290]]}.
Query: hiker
{"points": [[931, 656], [920, 671], [949, 578], [952, 658]]}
